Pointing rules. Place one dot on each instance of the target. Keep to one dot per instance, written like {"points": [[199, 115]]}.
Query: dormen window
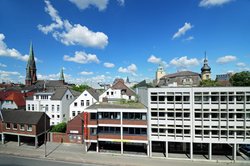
{"points": [[87, 102], [82, 102], [75, 104], [22, 127], [29, 128], [7, 125], [14, 126]]}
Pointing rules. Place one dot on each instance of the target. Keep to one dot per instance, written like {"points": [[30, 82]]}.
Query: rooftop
{"points": [[128, 105]]}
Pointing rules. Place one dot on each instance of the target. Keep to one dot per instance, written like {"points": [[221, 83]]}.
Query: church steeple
{"points": [[206, 69], [31, 77], [62, 76]]}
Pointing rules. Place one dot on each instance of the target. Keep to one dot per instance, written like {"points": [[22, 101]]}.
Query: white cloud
{"points": [[189, 38], [210, 3], [52, 76], [10, 52], [81, 57], [181, 31], [84, 4], [226, 59], [241, 64], [154, 59], [130, 69], [68, 34], [8, 73], [2, 65], [81, 35], [86, 73], [121, 2], [109, 65], [184, 62]]}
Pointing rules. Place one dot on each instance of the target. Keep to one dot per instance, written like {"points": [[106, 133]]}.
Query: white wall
{"points": [[80, 108]]}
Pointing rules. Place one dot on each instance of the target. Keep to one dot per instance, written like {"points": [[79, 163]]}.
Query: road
{"points": [[8, 160]]}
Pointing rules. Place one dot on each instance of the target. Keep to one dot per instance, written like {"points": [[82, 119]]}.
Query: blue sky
{"points": [[99, 40]]}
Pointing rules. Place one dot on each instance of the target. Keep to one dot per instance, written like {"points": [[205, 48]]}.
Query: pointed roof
{"points": [[31, 61], [205, 67], [61, 75]]}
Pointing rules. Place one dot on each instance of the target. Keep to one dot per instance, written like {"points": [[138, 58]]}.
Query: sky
{"points": [[100, 40]]}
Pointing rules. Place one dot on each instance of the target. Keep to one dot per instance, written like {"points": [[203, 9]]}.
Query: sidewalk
{"points": [[75, 153]]}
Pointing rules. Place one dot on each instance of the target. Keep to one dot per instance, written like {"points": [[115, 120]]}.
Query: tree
{"points": [[80, 88], [61, 128], [209, 83], [241, 79]]}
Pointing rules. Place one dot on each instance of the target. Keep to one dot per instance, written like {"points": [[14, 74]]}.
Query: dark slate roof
{"points": [[94, 93], [59, 93], [49, 83], [22, 117], [75, 93], [120, 85], [181, 74]]}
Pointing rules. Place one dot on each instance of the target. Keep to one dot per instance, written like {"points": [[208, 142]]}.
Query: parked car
{"points": [[245, 149]]}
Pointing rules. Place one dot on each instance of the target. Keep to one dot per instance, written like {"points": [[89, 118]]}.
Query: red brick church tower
{"points": [[31, 77]]}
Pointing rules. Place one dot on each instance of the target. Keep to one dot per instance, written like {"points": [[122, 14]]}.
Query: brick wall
{"points": [[65, 138]]}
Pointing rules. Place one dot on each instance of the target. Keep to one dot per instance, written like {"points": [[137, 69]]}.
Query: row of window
{"points": [[83, 103], [117, 130], [31, 107], [116, 115], [15, 126], [74, 113]]}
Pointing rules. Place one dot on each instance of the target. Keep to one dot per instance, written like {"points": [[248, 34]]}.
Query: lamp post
{"points": [[45, 127]]}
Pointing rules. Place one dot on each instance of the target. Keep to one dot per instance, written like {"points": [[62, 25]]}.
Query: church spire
{"points": [[206, 69], [31, 77], [62, 76]]}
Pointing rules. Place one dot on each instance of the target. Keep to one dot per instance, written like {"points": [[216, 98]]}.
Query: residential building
{"points": [[55, 102], [182, 119], [118, 126], [117, 92], [13, 100], [224, 79], [23, 126], [86, 99]]}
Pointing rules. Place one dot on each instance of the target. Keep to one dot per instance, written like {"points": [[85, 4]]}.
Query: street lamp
{"points": [[45, 127]]}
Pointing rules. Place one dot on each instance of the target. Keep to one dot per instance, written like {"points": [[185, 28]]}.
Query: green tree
{"points": [[61, 127], [80, 88], [241, 79], [209, 83]]}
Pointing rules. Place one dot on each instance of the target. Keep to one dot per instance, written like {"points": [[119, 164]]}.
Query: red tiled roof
{"points": [[16, 97]]}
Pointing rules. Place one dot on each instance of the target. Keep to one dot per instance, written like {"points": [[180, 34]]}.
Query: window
{"points": [[73, 113], [53, 108], [7, 125], [58, 116], [75, 104], [87, 102], [67, 97], [93, 131], [22, 127], [28, 107], [112, 93], [33, 108], [107, 93], [14, 126], [53, 116], [82, 102], [29, 128], [46, 107], [37, 97], [78, 112], [93, 116], [58, 108]]}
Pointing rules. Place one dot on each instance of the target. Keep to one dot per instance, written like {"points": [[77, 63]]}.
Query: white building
{"points": [[189, 117], [118, 91], [55, 103], [86, 99]]}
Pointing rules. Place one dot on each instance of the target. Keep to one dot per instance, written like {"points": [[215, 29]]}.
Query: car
{"points": [[245, 149]]}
